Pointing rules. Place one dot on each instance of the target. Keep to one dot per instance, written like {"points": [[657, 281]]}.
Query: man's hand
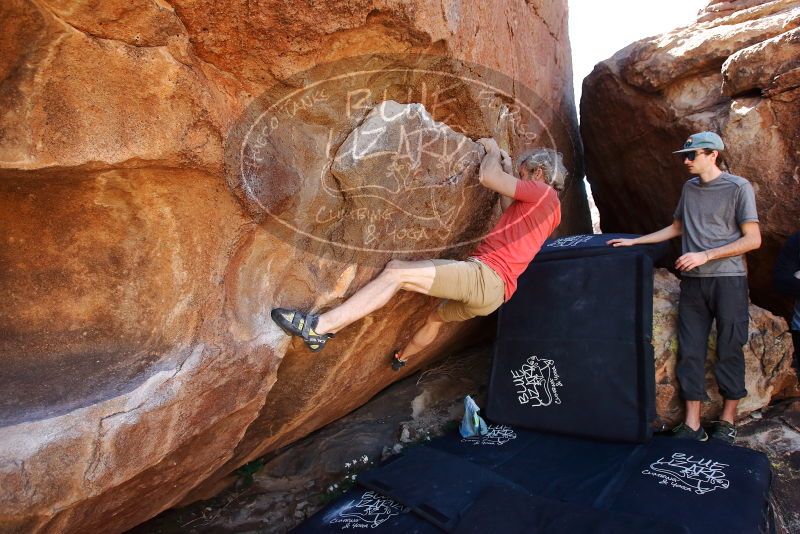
{"points": [[490, 145], [492, 174], [673, 230], [505, 162], [797, 274], [690, 260], [620, 242]]}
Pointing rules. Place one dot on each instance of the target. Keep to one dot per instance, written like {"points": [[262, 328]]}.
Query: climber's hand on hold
{"points": [[490, 145]]}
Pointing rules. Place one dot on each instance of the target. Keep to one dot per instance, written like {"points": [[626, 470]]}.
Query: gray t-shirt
{"points": [[711, 214]]}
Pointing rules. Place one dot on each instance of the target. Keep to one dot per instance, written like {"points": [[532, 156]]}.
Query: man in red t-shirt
{"points": [[475, 287]]}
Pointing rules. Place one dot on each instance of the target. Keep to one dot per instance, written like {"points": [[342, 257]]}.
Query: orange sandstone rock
{"points": [[140, 365], [735, 71]]}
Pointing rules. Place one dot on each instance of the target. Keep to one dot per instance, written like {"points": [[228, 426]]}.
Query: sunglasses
{"points": [[689, 155]]}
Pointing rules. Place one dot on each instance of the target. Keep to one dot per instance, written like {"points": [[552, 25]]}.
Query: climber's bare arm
{"points": [[492, 175], [665, 234]]}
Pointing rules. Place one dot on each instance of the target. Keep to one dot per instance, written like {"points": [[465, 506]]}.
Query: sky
{"points": [[597, 28]]}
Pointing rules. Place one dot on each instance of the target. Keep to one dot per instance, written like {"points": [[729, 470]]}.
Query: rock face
{"points": [[298, 481], [776, 433], [735, 71], [149, 226], [767, 353]]}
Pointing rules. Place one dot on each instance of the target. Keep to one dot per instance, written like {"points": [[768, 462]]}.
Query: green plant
{"points": [[249, 469]]}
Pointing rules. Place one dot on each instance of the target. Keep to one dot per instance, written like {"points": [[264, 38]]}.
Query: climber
{"points": [[717, 219], [471, 288]]}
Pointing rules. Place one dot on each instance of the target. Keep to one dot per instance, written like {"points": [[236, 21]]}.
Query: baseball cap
{"points": [[701, 140]]}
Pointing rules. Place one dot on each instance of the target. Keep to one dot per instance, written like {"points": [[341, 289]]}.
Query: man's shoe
{"points": [[724, 431], [684, 431], [296, 323]]}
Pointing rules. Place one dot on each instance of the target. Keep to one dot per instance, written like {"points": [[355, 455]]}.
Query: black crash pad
{"points": [[361, 509], [459, 495], [455, 484], [434, 484], [595, 244], [573, 352], [560, 467], [509, 511], [708, 487]]}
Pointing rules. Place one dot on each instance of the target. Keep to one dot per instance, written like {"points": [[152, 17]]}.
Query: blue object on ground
{"points": [[472, 424]]}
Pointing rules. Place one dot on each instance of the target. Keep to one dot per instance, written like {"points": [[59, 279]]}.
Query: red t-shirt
{"points": [[520, 232]]}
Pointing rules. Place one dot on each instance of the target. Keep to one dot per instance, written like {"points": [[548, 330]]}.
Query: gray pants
{"points": [[703, 300]]}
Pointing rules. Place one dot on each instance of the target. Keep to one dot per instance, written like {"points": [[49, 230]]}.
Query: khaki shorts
{"points": [[471, 288]]}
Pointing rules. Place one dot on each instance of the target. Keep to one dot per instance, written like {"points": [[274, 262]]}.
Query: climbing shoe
{"points": [[723, 431], [684, 431], [299, 324], [397, 363]]}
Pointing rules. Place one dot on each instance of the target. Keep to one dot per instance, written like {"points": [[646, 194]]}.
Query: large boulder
{"points": [[776, 433], [148, 228], [279, 492], [734, 71], [767, 355]]}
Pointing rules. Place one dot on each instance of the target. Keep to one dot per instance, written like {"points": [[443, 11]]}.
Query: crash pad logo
{"points": [[396, 158], [571, 241], [377, 153], [689, 473], [537, 382], [369, 512], [497, 435]]}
